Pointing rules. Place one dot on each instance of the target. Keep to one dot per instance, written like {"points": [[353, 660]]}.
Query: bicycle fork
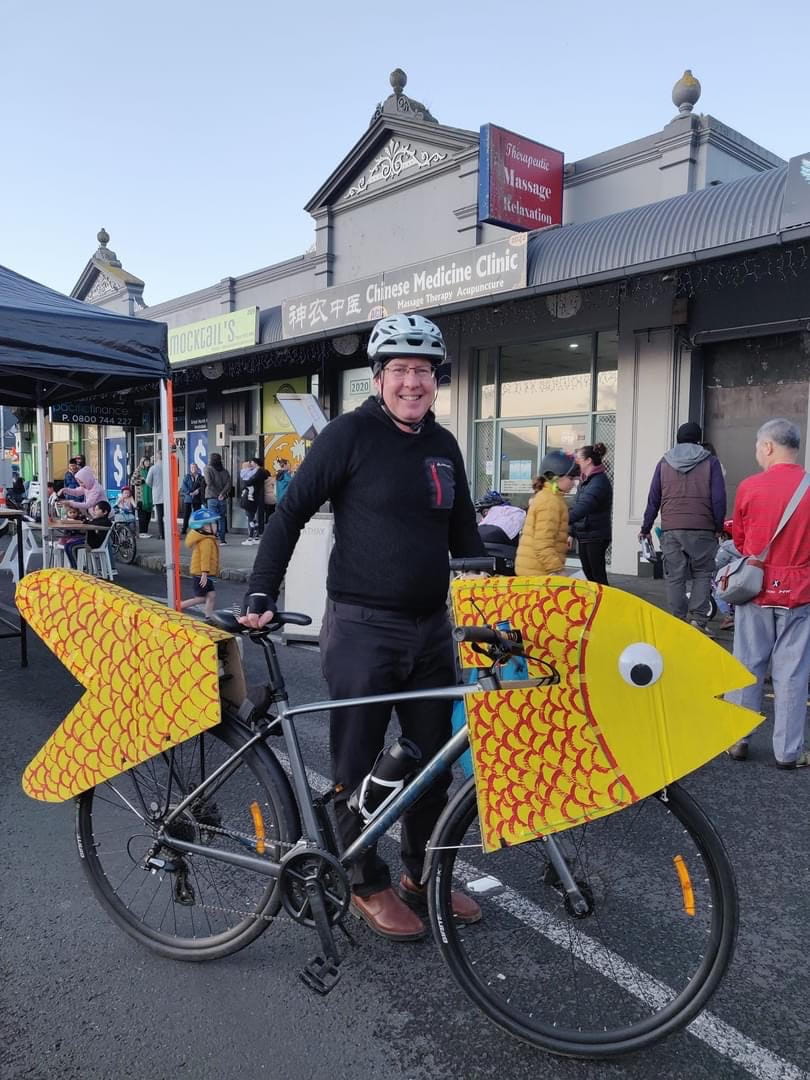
{"points": [[573, 894]]}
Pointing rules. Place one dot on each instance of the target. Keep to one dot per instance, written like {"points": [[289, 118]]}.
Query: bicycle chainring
{"points": [[300, 868]]}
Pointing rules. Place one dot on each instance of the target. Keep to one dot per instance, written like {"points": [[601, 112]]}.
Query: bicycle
{"points": [[590, 944], [122, 541]]}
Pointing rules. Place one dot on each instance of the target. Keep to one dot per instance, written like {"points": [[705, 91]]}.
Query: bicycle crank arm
{"points": [[321, 974]]}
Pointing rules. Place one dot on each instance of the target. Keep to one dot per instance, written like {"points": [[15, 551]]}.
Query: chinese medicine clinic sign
{"points": [[520, 182], [222, 333], [464, 275]]}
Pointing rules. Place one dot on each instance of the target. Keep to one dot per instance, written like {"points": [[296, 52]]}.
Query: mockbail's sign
{"points": [[520, 182], [222, 333], [465, 275]]}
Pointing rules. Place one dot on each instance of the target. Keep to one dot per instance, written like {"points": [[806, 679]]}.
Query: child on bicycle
{"points": [[204, 543]]}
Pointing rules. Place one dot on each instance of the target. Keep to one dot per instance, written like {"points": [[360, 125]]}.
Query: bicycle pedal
{"points": [[320, 975]]}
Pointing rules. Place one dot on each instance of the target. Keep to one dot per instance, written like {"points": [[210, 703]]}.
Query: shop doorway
{"points": [[243, 448], [521, 446]]}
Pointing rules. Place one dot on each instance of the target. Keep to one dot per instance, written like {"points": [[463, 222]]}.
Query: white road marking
{"points": [[757, 1060]]}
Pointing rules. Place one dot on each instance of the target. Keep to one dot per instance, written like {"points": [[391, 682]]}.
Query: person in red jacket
{"points": [[774, 628]]}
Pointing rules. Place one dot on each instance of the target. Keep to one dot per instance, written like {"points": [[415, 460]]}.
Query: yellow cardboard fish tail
{"points": [[151, 676]]}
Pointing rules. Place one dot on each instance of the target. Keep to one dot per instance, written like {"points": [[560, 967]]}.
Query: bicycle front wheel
{"points": [[195, 907], [656, 940]]}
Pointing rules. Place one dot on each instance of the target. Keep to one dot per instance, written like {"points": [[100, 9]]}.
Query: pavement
{"points": [[237, 562], [80, 1000]]}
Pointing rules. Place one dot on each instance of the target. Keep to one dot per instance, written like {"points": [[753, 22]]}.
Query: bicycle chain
{"points": [[251, 839]]}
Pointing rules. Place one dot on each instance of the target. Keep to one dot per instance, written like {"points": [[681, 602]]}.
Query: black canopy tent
{"points": [[54, 349]]}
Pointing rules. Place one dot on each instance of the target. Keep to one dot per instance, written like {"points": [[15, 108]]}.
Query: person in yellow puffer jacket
{"points": [[544, 541], [202, 539]]}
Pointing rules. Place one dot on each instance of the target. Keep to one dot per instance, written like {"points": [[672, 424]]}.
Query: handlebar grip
{"points": [[479, 564], [483, 635]]}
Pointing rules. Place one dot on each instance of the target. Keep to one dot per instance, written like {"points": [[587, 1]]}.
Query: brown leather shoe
{"points": [[387, 916], [465, 909]]}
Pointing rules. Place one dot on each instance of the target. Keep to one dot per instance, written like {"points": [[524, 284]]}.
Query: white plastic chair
{"points": [[97, 561], [31, 548]]}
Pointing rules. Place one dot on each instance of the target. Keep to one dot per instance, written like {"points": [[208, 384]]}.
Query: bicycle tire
{"points": [[233, 906], [585, 997], [123, 543]]}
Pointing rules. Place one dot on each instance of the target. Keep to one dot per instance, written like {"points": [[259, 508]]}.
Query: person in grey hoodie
{"points": [[689, 490]]}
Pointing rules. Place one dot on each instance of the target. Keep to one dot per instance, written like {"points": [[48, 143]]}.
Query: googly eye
{"points": [[641, 664]]}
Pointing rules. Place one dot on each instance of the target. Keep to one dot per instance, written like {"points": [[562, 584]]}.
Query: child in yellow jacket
{"points": [[202, 539], [544, 540]]}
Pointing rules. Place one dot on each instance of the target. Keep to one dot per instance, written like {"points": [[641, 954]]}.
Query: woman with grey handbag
{"points": [[771, 527]]}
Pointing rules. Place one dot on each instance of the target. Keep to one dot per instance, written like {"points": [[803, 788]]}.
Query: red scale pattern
{"points": [[541, 762]]}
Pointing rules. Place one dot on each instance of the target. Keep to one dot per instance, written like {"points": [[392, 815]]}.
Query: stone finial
{"points": [[399, 104], [398, 80], [103, 253], [685, 93]]}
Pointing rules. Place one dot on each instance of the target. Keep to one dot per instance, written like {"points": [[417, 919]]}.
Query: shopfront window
{"points": [[546, 378], [539, 396], [487, 360]]}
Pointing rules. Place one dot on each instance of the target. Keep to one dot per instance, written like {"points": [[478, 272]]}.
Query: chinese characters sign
{"points": [[234, 330], [520, 182], [465, 275]]}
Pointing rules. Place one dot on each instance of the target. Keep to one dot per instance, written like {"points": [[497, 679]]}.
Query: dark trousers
{"points": [[159, 508], [144, 517], [592, 553], [257, 513], [187, 508], [366, 651]]}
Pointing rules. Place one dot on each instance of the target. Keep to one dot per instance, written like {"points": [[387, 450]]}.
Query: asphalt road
{"points": [[79, 1000]]}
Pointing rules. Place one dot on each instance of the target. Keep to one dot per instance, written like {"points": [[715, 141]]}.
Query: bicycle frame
{"points": [[311, 831], [382, 822]]}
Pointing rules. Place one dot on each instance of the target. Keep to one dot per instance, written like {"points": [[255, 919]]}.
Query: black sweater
{"points": [[590, 516], [400, 501]]}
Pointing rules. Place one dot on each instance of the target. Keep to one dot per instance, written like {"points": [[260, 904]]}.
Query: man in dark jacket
{"points": [[399, 493], [689, 489]]}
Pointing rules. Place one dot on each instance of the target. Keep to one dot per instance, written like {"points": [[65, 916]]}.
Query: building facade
{"points": [[675, 286]]}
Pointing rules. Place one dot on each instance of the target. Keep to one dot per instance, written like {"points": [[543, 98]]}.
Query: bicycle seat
{"points": [[226, 620]]}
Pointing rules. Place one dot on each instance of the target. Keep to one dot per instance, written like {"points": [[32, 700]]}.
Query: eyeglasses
{"points": [[399, 371]]}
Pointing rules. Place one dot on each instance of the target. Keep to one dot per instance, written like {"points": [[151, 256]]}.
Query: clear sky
{"points": [[194, 132]]}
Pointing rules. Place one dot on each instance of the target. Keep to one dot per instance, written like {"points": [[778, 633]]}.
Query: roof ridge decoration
{"points": [[105, 254], [396, 158], [399, 104]]}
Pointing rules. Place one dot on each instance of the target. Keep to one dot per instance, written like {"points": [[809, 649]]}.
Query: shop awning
{"points": [[632, 241], [55, 349]]}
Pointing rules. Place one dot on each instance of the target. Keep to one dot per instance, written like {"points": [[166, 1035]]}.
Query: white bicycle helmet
{"points": [[405, 335]]}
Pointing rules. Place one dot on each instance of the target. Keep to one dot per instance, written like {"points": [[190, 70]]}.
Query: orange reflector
{"points": [[686, 885], [258, 827]]}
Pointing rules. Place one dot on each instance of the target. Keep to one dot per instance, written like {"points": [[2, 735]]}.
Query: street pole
{"points": [[172, 539]]}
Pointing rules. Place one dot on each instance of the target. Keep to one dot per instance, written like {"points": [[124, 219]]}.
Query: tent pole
{"points": [[42, 473], [172, 542]]}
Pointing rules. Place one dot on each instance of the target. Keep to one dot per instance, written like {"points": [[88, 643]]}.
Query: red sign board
{"points": [[520, 182]]}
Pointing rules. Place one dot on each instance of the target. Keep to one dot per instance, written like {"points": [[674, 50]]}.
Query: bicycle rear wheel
{"points": [[656, 941], [201, 909], [122, 543]]}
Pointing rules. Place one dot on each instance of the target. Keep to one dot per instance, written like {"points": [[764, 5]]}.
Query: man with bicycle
{"points": [[398, 489]]}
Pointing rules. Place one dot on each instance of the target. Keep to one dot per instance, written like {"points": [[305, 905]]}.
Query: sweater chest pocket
{"points": [[441, 477]]}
